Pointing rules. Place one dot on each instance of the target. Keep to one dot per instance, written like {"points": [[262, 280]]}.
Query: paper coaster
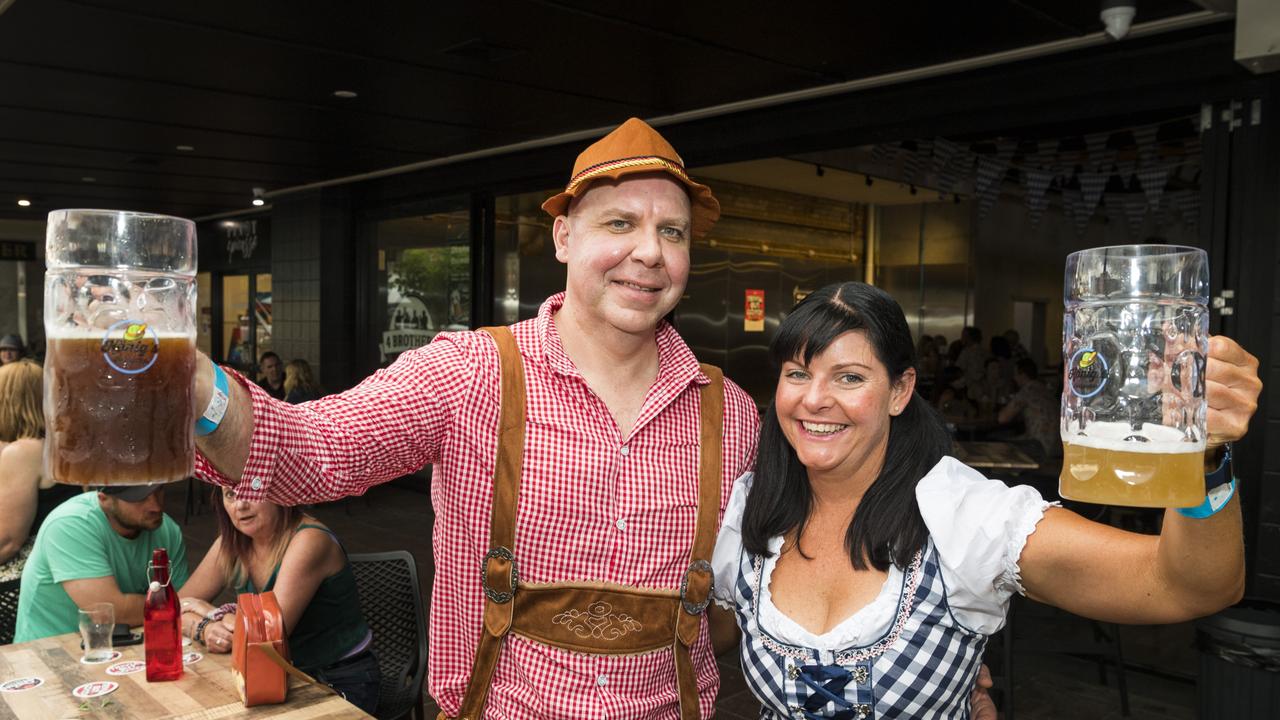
{"points": [[186, 641], [95, 689], [115, 655], [128, 667], [20, 684], [191, 657]]}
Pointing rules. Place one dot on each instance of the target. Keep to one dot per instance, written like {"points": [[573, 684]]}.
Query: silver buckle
{"points": [[499, 596], [696, 608]]}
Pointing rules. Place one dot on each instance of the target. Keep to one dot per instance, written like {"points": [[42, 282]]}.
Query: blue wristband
{"points": [[1222, 484], [1213, 502], [217, 407]]}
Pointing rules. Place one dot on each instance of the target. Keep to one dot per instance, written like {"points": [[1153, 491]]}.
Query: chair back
{"points": [[392, 605], [8, 609]]}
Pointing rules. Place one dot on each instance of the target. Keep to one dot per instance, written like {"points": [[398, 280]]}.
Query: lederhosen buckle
{"points": [[499, 596], [696, 607]]}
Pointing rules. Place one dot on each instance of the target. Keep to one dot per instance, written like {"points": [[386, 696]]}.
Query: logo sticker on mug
{"points": [[131, 347], [1087, 372]]}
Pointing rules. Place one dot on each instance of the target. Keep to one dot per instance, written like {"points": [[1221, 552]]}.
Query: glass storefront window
{"points": [[526, 271], [246, 320], [204, 313], [424, 274], [262, 313]]}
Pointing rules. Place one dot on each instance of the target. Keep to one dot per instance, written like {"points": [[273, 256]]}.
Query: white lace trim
{"points": [[904, 606], [1023, 525], [870, 621]]}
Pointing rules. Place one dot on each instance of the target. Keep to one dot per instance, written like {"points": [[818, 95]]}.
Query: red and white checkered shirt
{"points": [[593, 505]]}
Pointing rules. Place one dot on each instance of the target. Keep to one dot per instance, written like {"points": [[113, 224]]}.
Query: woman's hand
{"points": [[1232, 388], [196, 605], [218, 634]]}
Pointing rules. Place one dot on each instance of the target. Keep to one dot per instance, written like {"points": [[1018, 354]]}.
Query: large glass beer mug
{"points": [[1135, 339], [119, 314]]}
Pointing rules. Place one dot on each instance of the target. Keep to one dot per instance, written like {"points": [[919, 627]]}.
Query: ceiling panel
{"points": [[109, 88]]}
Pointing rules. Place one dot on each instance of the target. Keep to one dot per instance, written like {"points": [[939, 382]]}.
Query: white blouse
{"points": [[979, 527]]}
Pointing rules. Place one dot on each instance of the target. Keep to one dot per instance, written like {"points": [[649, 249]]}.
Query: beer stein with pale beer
{"points": [[1135, 339], [119, 306]]}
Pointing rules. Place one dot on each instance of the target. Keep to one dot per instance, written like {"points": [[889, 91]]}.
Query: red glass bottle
{"points": [[161, 622]]}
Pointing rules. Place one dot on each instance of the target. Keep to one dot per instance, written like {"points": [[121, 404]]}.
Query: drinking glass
{"points": [[120, 298], [1135, 339], [97, 622]]}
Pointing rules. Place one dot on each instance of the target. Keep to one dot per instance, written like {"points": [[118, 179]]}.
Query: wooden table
{"points": [[205, 691], [994, 455]]}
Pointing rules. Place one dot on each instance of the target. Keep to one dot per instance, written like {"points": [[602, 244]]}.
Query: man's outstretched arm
{"points": [[389, 425], [227, 448]]}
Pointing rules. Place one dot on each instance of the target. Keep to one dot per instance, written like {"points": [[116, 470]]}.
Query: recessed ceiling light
{"points": [[185, 148], [88, 179], [346, 94], [259, 202], [24, 203]]}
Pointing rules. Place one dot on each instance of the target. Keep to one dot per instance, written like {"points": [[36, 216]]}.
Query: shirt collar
{"points": [[676, 362]]}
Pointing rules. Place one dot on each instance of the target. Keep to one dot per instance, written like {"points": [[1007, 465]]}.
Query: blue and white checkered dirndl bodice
{"points": [[924, 667]]}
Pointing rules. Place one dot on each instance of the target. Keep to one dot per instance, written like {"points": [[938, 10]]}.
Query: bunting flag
{"points": [[1046, 154], [1145, 137], [1091, 187], [990, 172], [1135, 211], [1073, 206], [987, 201], [986, 185], [915, 161], [1096, 143], [1005, 150], [1037, 182], [881, 153], [1188, 204], [943, 151], [1152, 180], [960, 165], [1125, 171], [963, 164]]}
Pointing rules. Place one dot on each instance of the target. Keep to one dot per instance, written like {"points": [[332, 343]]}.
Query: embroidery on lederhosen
{"points": [[923, 667], [598, 621]]}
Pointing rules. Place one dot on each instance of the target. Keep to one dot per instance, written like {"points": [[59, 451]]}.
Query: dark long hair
{"points": [[887, 527]]}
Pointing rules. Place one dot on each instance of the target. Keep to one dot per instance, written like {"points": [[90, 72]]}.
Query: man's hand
{"points": [[980, 705], [1232, 388]]}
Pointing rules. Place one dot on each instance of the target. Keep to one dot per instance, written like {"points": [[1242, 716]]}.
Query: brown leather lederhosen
{"points": [[595, 618]]}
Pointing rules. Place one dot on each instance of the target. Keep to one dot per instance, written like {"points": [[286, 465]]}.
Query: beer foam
{"points": [[1162, 439]]}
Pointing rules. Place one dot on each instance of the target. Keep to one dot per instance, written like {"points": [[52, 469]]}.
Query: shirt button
{"points": [[256, 484], [625, 450], [602, 680], [621, 524]]}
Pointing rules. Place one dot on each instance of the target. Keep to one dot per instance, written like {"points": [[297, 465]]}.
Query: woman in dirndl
{"points": [[866, 567]]}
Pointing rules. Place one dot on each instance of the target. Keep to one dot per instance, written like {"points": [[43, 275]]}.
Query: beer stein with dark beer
{"points": [[1135, 339], [119, 373]]}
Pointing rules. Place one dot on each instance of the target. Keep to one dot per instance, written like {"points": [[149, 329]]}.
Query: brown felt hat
{"points": [[634, 147]]}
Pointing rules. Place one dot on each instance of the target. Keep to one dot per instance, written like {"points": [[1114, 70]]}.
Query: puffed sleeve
{"points": [[726, 556], [979, 527]]}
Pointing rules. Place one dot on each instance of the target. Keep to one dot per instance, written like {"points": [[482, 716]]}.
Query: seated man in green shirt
{"points": [[95, 548]]}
